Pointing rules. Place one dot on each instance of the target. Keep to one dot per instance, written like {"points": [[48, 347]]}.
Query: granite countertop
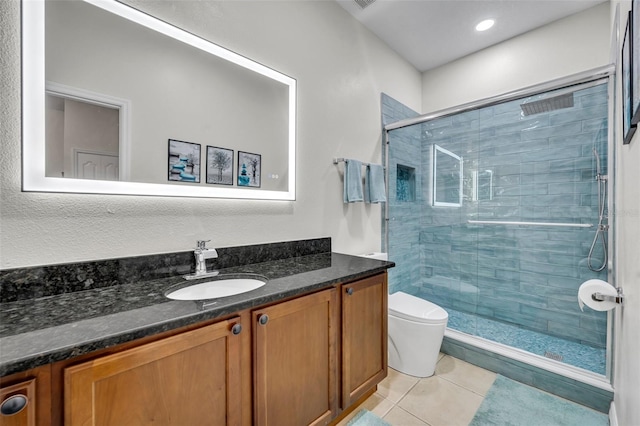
{"points": [[40, 331]]}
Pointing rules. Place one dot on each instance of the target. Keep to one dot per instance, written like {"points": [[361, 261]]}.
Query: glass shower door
{"points": [[505, 212]]}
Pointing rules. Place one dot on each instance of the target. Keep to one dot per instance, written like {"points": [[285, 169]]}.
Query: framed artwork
{"points": [[184, 161], [249, 169], [627, 84], [219, 166], [635, 67]]}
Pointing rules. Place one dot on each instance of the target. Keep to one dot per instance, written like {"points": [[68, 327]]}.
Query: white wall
{"points": [[340, 69], [568, 46], [626, 379]]}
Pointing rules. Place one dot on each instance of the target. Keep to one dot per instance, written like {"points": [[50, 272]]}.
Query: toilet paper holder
{"points": [[599, 297]]}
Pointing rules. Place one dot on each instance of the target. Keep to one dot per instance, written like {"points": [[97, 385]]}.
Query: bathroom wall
{"points": [[626, 378], [341, 69], [567, 46]]}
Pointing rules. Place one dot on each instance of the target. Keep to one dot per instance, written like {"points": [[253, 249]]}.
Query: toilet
{"points": [[416, 329]]}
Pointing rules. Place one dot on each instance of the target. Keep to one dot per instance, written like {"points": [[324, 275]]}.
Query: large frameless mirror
{"points": [[118, 102]]}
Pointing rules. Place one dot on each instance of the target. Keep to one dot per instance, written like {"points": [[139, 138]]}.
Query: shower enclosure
{"points": [[498, 212]]}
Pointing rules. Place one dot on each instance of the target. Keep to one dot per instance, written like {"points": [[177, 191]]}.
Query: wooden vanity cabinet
{"points": [[303, 361], [35, 386], [364, 336], [18, 404], [295, 361], [192, 378], [297, 371]]}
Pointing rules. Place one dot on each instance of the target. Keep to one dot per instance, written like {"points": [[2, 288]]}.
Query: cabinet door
{"points": [[295, 357], [18, 404], [364, 336], [191, 378]]}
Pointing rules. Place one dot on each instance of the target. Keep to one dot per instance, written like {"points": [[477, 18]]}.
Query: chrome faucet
{"points": [[202, 253]]}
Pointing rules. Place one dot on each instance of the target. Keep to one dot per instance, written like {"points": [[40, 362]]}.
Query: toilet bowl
{"points": [[416, 329]]}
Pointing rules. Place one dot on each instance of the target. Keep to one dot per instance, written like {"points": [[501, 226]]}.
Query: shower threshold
{"points": [[567, 381], [579, 355]]}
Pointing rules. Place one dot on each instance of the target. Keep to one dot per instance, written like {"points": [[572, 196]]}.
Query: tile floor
{"points": [[449, 398]]}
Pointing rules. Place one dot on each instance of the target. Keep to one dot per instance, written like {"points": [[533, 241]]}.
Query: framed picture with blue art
{"points": [[635, 67], [249, 169], [628, 129], [184, 161], [219, 165]]}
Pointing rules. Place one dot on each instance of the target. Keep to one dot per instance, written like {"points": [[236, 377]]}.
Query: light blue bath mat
{"points": [[509, 403], [367, 418]]}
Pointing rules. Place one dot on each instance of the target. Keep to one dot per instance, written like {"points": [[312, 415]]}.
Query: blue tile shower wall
{"points": [[404, 223], [542, 169]]}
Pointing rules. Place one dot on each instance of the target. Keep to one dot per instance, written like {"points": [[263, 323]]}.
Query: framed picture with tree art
{"points": [[219, 165], [249, 169]]}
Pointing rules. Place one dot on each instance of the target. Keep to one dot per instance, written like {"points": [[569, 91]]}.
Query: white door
{"points": [[99, 166]]}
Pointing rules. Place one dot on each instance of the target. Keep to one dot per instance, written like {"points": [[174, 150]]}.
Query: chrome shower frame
{"points": [[605, 74]]}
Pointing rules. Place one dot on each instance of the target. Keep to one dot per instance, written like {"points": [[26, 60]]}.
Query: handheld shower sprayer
{"points": [[601, 181]]}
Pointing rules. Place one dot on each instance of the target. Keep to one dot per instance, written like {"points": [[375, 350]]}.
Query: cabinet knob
{"points": [[350, 291], [263, 319], [13, 405], [236, 329]]}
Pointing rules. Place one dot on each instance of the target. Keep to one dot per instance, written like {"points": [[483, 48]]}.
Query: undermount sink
{"points": [[221, 286]]}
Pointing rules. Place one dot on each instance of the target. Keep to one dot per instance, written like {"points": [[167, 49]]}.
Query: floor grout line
{"points": [[464, 387], [417, 381]]}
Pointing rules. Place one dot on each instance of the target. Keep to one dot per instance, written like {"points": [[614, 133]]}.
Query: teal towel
{"points": [[352, 181], [374, 189]]}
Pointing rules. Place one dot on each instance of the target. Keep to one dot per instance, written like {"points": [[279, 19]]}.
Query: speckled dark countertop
{"points": [[47, 329]]}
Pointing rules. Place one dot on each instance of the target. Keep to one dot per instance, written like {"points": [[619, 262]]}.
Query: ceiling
{"points": [[430, 33]]}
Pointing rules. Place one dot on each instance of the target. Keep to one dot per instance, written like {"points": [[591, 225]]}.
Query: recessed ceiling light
{"points": [[485, 25]]}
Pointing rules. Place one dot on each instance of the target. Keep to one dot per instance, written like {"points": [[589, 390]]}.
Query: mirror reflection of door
{"points": [[82, 139], [95, 165]]}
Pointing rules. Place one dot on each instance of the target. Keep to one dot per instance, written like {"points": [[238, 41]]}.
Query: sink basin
{"points": [[221, 286]]}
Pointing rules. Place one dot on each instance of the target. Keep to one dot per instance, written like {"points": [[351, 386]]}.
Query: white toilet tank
{"points": [[416, 330]]}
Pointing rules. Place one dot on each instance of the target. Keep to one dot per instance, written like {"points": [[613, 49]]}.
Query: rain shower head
{"points": [[548, 104], [364, 3]]}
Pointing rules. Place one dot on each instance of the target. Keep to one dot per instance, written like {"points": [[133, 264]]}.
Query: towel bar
{"points": [[342, 160], [500, 222]]}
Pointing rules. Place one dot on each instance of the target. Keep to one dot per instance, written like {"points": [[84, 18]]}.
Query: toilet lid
{"points": [[413, 308]]}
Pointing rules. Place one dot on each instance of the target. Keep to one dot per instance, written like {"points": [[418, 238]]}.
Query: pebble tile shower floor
{"points": [[572, 353]]}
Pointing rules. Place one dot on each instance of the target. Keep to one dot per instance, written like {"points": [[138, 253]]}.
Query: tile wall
{"points": [[536, 168], [405, 197]]}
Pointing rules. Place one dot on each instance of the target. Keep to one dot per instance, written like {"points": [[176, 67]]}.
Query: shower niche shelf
{"points": [[405, 183]]}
